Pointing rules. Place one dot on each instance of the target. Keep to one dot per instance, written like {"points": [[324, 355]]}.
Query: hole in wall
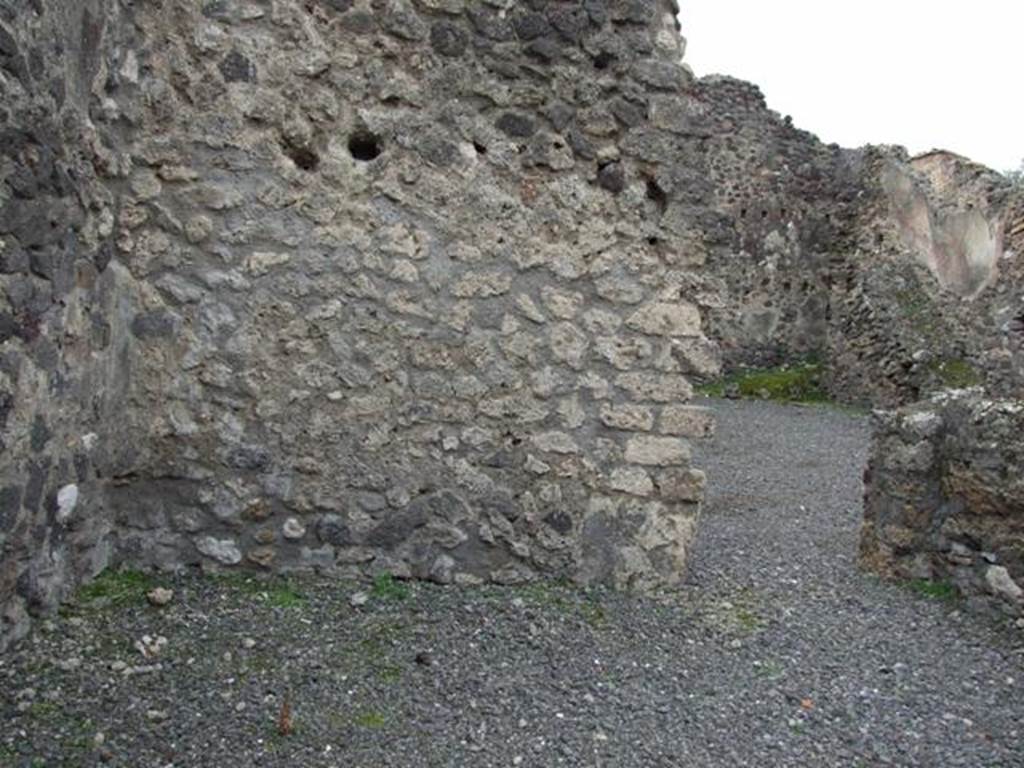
{"points": [[604, 59], [656, 194], [365, 146], [480, 148], [303, 157]]}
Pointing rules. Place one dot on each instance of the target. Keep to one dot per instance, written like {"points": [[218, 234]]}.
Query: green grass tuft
{"points": [[285, 595], [387, 587], [936, 590], [798, 383], [117, 588]]}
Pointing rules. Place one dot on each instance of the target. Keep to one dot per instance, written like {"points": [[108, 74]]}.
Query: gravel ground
{"points": [[778, 652]]}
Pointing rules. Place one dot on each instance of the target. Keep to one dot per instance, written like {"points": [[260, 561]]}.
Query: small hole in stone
{"points": [[364, 146], [603, 60], [480, 148], [304, 158], [656, 194]]}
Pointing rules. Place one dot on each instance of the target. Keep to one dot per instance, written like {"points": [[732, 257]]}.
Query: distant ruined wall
{"points": [[66, 304], [944, 495], [785, 205], [901, 275]]}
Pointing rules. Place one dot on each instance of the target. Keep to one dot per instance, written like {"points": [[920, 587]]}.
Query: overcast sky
{"points": [[922, 73]]}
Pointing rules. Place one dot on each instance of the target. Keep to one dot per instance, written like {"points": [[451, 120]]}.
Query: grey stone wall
{"points": [[901, 274], [65, 303], [411, 302], [944, 495], [350, 286]]}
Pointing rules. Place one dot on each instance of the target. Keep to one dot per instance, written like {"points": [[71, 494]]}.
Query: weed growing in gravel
{"points": [[550, 594], [237, 581], [372, 654], [937, 590], [593, 613], [284, 595], [278, 592], [371, 719], [117, 588], [770, 670], [43, 710], [387, 588], [561, 596]]}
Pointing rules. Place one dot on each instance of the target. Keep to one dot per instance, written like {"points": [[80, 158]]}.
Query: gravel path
{"points": [[778, 652]]}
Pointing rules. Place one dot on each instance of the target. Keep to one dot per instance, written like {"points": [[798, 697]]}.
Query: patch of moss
{"points": [[955, 373], [373, 654], [238, 581], [370, 719], [117, 588], [798, 383], [936, 590], [277, 591]]}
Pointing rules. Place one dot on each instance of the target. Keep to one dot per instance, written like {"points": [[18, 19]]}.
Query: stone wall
{"points": [[932, 293], [415, 306], [944, 495], [353, 286], [66, 304], [901, 274], [368, 285], [784, 207]]}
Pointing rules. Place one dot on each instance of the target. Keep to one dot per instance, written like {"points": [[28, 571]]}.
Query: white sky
{"points": [[922, 73]]}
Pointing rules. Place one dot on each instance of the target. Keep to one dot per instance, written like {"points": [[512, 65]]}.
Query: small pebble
{"points": [[248, 643], [160, 596], [359, 599]]}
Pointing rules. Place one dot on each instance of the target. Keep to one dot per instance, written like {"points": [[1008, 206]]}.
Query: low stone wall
{"points": [[944, 496]]}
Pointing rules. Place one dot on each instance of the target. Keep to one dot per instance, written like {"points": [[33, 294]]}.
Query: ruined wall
{"points": [[945, 495], [65, 305], [784, 206], [415, 305], [900, 274]]}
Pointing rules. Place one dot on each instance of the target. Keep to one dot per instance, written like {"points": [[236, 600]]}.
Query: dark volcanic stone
{"points": [[449, 39], [516, 125], [236, 68], [612, 177]]}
